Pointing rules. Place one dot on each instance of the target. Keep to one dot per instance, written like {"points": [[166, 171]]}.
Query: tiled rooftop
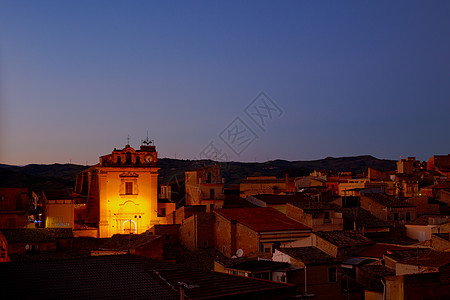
{"points": [[309, 255], [429, 200], [262, 219], [263, 180], [125, 241], [430, 220], [252, 264], [399, 255], [428, 259], [36, 235], [378, 250], [281, 199], [125, 277], [388, 201], [312, 205], [344, 238], [378, 270], [235, 201], [363, 218]]}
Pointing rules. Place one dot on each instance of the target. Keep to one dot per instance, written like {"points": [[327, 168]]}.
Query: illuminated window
{"points": [[128, 188]]}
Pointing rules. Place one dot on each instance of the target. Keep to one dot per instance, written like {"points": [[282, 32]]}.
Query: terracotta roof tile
{"points": [[428, 259], [311, 205], [309, 255], [363, 218], [430, 220], [262, 219], [281, 199], [252, 264], [36, 235], [126, 241], [378, 270], [388, 201], [344, 238], [378, 250], [399, 255], [127, 277]]}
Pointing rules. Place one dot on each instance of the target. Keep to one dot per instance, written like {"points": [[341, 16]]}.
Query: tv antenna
{"points": [[147, 141]]}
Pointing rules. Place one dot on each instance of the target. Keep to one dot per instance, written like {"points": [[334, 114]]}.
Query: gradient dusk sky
{"points": [[349, 77]]}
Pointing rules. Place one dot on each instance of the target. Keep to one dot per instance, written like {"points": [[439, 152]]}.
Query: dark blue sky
{"points": [[350, 78]]}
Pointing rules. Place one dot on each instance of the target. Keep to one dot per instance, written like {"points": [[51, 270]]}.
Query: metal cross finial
{"points": [[128, 140]]}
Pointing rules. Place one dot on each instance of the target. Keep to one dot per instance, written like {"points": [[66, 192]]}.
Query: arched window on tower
{"points": [[128, 158], [119, 160], [138, 161]]}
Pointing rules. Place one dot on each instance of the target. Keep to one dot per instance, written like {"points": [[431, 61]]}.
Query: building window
{"points": [[138, 161], [205, 244], [128, 188], [265, 275], [332, 274], [211, 194], [119, 160], [128, 158], [163, 212], [266, 248], [408, 216], [395, 216]]}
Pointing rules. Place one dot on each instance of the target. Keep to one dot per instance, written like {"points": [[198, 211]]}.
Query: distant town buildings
{"points": [[205, 186], [328, 235]]}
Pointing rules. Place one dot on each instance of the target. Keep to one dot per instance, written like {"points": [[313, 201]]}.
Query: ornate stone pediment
{"points": [[129, 174]]}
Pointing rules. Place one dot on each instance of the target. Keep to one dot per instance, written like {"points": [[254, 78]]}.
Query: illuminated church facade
{"points": [[122, 191]]}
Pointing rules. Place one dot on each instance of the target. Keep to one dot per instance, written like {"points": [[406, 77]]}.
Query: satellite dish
{"points": [[239, 252]]}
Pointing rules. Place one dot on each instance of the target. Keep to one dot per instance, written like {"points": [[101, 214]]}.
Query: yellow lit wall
{"points": [[59, 215], [134, 212]]}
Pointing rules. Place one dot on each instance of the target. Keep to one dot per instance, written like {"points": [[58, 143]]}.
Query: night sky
{"points": [[339, 78]]}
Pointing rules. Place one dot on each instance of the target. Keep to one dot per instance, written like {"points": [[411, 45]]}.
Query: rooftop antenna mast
{"points": [[147, 141], [128, 140]]}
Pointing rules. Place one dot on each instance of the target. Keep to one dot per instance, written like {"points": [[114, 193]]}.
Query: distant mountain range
{"points": [[56, 176]]}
